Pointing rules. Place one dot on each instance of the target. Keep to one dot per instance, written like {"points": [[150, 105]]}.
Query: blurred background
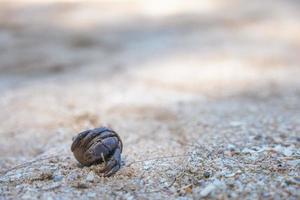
{"points": [[67, 65]]}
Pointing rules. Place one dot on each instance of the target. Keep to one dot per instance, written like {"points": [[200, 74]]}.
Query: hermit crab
{"points": [[99, 145]]}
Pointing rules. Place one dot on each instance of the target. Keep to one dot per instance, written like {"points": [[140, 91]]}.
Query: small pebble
{"points": [[90, 177], [57, 178], [80, 185], [283, 150], [229, 175], [294, 180], [73, 176], [52, 186], [207, 190], [258, 137], [231, 147], [206, 174]]}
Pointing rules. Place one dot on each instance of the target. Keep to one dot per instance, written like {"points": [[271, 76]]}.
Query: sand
{"points": [[205, 96]]}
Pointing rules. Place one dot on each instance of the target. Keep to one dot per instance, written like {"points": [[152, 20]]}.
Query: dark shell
{"points": [[96, 146]]}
